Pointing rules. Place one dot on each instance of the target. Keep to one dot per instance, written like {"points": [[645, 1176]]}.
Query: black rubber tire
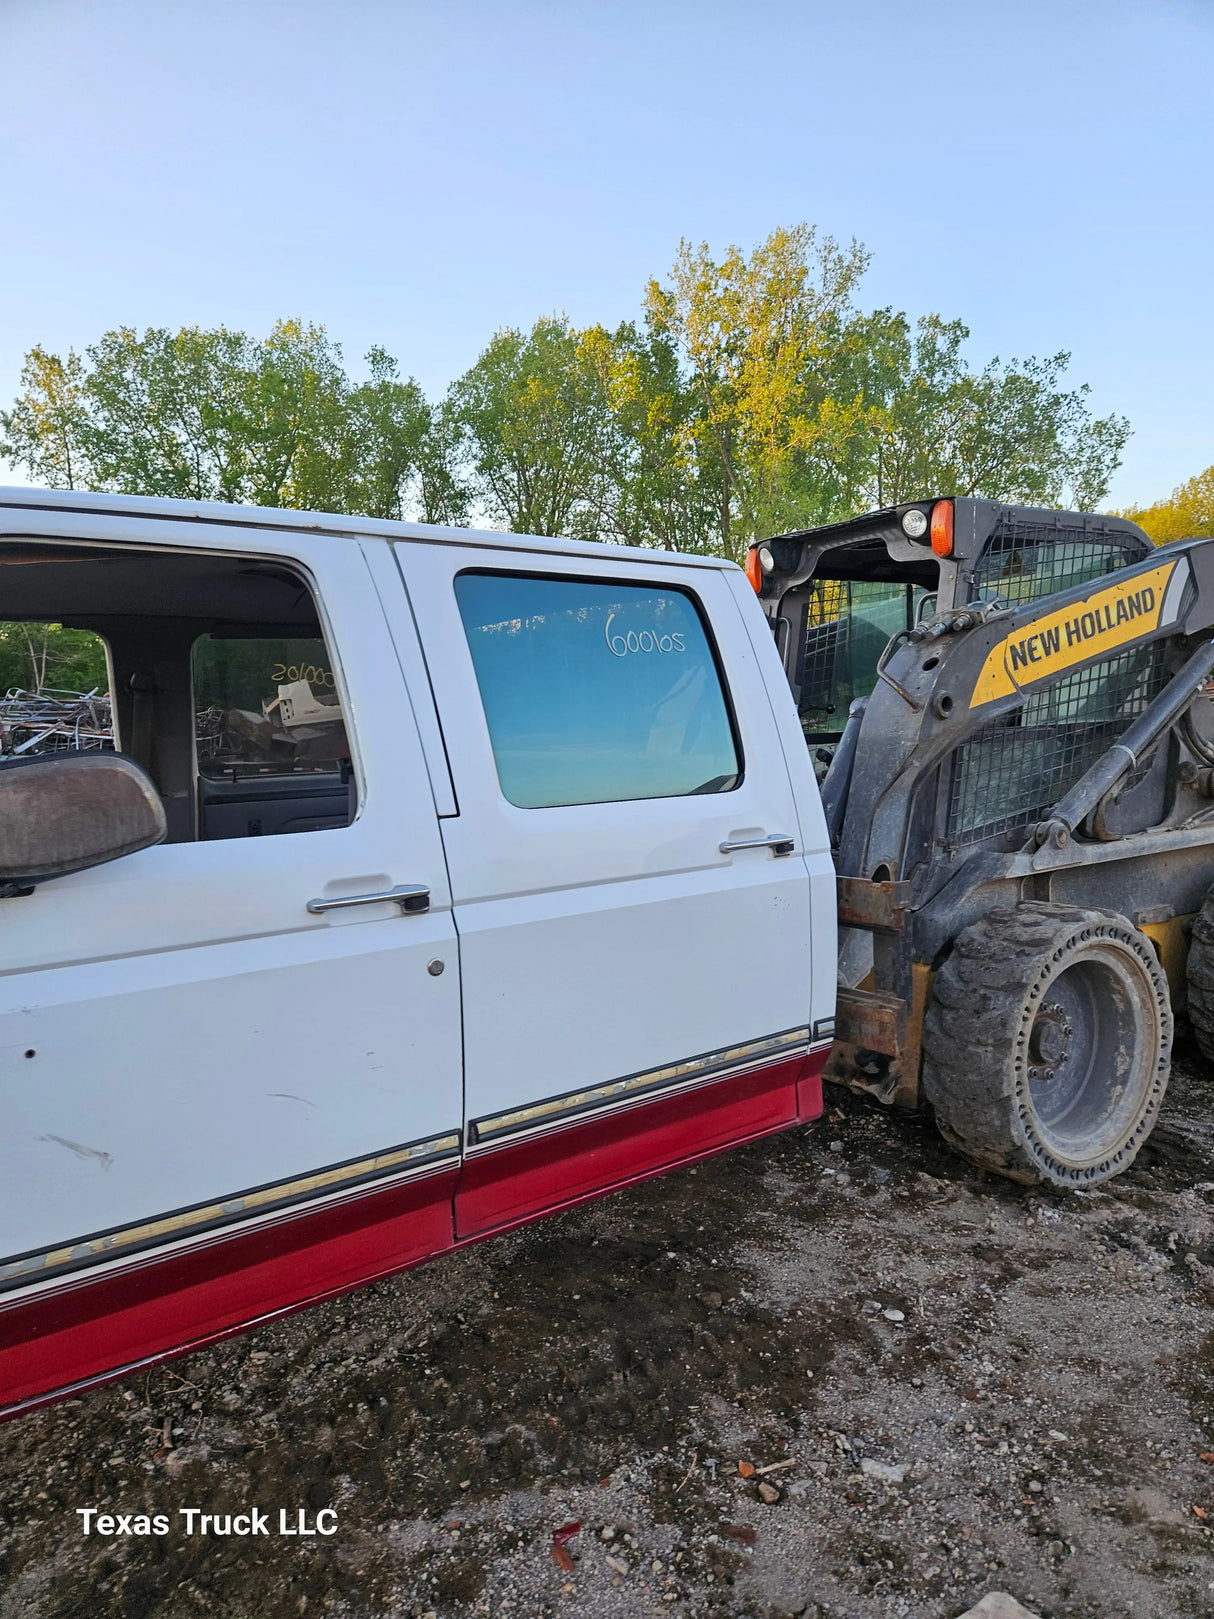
{"points": [[1200, 974], [1006, 1002]]}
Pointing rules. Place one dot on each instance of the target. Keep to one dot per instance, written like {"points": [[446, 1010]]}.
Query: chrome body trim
{"points": [[574, 1106], [395, 1164]]}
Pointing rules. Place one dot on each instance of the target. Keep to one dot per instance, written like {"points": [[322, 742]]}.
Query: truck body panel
{"points": [[235, 1080], [589, 931]]}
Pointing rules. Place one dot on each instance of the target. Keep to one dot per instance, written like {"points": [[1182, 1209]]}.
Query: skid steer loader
{"points": [[1008, 710]]}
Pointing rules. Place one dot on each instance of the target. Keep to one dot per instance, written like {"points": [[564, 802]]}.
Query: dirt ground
{"points": [[959, 1386]]}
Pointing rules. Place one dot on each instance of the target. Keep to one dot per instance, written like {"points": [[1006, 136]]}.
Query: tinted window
{"points": [[848, 626], [266, 704], [596, 692]]}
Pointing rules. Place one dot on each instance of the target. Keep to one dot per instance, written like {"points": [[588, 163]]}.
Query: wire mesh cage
{"points": [[1026, 559], [825, 653], [1018, 766]]}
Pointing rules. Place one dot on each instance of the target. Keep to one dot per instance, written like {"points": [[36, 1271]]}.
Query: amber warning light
{"points": [[942, 528], [754, 569]]}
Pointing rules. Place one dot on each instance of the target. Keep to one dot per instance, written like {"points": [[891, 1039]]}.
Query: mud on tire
{"points": [[1047, 1043]]}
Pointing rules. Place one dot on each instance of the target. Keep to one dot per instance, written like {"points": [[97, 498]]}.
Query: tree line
{"points": [[1187, 515], [753, 394]]}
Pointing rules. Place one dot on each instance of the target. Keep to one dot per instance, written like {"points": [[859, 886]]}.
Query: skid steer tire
{"points": [[1047, 1044], [1200, 974]]}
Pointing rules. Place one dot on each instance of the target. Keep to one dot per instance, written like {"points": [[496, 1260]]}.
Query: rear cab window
{"points": [[595, 691]]}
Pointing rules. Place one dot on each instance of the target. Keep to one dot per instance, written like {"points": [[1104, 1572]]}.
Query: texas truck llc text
{"points": [[290, 1521]]}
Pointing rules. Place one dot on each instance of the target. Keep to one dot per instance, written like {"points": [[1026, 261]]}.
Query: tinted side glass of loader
{"points": [[847, 627]]}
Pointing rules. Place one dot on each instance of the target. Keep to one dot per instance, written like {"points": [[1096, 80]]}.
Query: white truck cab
{"points": [[471, 875]]}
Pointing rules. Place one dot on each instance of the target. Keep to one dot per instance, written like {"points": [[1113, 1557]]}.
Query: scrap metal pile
{"points": [[295, 728], [53, 721]]}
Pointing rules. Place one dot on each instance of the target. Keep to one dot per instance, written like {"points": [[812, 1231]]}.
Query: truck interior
{"points": [[200, 650]]}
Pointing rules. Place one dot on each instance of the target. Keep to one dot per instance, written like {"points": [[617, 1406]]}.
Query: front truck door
{"points": [[217, 1104], [628, 871]]}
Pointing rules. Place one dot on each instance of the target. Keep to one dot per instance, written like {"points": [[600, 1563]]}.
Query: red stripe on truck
{"points": [[91, 1329], [518, 1181]]}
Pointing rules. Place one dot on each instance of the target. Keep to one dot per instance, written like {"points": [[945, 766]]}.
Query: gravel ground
{"points": [[957, 1386]]}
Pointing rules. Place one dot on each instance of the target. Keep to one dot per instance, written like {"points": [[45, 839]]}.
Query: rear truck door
{"points": [[627, 868], [218, 1103]]}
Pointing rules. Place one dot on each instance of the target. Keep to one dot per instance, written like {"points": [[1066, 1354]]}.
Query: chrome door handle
{"points": [[778, 842], [409, 896]]}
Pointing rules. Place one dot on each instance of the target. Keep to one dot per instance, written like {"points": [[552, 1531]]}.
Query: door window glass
{"points": [[210, 671], [595, 691], [270, 734], [266, 703]]}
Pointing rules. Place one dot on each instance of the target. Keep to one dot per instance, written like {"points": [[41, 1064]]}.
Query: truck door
{"points": [[225, 1050], [627, 868]]}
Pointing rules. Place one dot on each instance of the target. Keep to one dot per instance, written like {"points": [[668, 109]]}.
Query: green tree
{"points": [[306, 455], [442, 495], [666, 485], [167, 413], [389, 423], [1007, 432], [817, 409], [35, 657], [763, 338], [1188, 515], [591, 433], [47, 428], [216, 415], [535, 427], [756, 396]]}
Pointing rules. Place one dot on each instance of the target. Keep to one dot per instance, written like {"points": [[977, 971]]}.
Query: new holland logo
{"points": [[1107, 619]]}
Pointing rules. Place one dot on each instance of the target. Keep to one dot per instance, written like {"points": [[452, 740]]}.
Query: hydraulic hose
{"points": [[836, 784]]}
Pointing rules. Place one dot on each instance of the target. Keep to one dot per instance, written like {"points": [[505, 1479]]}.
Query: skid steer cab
{"points": [[1007, 709]]}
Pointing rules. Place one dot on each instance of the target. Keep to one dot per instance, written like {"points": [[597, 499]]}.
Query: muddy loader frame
{"points": [[1010, 708]]}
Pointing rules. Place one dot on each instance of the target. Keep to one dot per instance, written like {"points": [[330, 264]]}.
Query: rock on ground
{"points": [[998, 1605]]}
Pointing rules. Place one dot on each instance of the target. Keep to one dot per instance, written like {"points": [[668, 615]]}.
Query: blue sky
{"points": [[419, 174]]}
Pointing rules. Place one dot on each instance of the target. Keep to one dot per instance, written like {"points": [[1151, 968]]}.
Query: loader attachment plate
{"points": [[872, 1020]]}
